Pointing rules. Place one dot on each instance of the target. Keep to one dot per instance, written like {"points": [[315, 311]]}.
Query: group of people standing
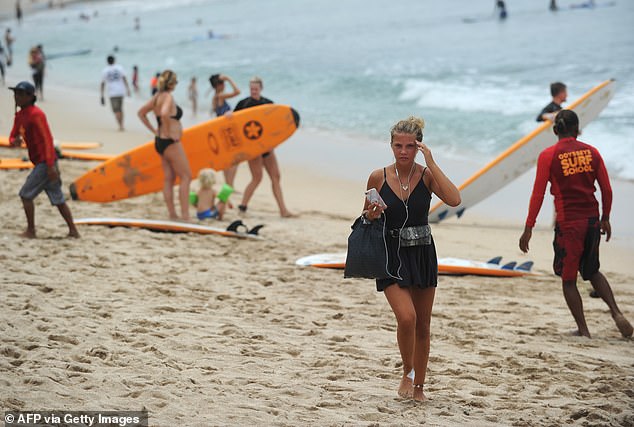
{"points": [[168, 133]]}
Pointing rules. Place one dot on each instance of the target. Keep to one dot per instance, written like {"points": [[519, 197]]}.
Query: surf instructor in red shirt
{"points": [[572, 167], [30, 127]]}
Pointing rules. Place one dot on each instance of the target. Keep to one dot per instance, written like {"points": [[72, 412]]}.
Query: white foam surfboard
{"points": [[521, 156], [447, 266], [172, 226]]}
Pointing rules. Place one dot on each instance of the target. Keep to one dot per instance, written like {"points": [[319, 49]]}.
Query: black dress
{"points": [[418, 264]]}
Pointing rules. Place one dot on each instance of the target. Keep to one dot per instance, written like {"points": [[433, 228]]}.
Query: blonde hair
{"points": [[257, 80], [166, 80], [206, 178], [410, 126]]}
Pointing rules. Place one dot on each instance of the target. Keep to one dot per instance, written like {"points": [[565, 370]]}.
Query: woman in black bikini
{"points": [[167, 137], [406, 187]]}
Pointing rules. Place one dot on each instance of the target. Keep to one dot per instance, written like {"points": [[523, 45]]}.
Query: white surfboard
{"points": [[235, 229], [521, 156], [334, 260], [446, 266]]}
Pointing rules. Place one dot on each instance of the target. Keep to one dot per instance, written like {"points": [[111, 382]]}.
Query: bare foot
{"points": [[406, 389], [577, 333], [419, 394], [74, 234], [624, 326], [28, 234], [288, 214]]}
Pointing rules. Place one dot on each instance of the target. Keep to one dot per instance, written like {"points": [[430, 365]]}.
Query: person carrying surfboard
{"points": [[559, 92], [31, 127], [406, 188], [167, 143], [572, 167], [267, 161]]}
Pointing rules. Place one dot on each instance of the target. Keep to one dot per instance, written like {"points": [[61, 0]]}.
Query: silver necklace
{"points": [[404, 187]]}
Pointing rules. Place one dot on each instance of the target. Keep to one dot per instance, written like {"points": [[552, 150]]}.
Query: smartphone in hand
{"points": [[373, 196]]}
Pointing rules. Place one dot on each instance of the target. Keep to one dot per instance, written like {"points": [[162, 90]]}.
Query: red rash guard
{"points": [[571, 167], [30, 123]]}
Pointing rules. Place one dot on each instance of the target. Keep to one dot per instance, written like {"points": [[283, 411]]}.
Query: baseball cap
{"points": [[25, 87]]}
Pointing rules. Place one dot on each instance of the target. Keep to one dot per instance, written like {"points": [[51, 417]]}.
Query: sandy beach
{"points": [[213, 331]]}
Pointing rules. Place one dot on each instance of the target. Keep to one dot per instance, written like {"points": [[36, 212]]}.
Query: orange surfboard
{"points": [[77, 155], [217, 144], [64, 145], [15, 164]]}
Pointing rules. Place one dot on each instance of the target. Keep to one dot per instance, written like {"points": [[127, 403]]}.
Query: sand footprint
{"points": [[64, 339]]}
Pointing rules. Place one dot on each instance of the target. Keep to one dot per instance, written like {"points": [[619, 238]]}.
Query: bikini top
{"points": [[177, 116], [221, 109]]}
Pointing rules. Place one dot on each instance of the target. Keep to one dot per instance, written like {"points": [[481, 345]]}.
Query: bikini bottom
{"points": [[160, 144]]}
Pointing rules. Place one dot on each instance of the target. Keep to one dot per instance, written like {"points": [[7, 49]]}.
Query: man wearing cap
{"points": [[31, 128]]}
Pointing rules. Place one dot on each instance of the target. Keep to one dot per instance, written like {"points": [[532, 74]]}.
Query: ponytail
{"points": [[566, 124], [165, 80]]}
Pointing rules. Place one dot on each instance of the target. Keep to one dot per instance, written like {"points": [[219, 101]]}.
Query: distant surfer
{"points": [[559, 92], [135, 78], [553, 5], [8, 41], [500, 6], [37, 62], [192, 92], [18, 11], [572, 168], [585, 5], [167, 143], [3, 56], [31, 128], [113, 77]]}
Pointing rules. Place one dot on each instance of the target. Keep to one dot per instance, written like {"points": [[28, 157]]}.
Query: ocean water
{"points": [[358, 66]]}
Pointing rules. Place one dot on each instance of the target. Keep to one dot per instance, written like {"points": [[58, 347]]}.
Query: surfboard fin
{"points": [[525, 266], [495, 260], [460, 211], [510, 266], [295, 117], [235, 224], [255, 229]]}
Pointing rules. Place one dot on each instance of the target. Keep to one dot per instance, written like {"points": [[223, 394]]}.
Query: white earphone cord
{"points": [[406, 204]]}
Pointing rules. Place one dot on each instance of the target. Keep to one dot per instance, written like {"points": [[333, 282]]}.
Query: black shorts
{"points": [[576, 246]]}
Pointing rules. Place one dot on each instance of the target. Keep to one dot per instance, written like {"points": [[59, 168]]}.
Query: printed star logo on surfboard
{"points": [[252, 130]]}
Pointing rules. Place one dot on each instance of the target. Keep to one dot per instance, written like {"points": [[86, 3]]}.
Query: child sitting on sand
{"points": [[206, 196]]}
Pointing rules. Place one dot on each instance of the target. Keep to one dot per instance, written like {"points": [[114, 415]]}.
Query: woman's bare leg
{"points": [[273, 170], [400, 301], [423, 302]]}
